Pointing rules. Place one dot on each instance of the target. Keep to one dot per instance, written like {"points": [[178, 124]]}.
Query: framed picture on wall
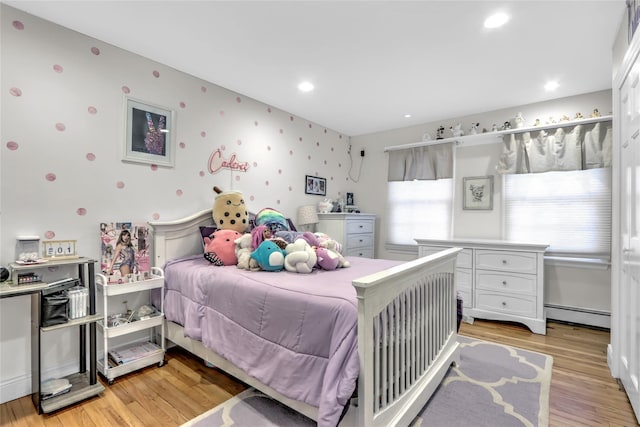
{"points": [[477, 193], [148, 134], [315, 185]]}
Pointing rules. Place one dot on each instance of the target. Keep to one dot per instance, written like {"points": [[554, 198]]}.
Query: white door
{"points": [[629, 290]]}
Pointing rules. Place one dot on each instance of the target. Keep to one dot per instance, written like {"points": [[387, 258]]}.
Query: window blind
{"points": [[570, 210]]}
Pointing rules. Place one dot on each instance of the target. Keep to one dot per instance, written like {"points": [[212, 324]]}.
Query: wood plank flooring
{"points": [[582, 390]]}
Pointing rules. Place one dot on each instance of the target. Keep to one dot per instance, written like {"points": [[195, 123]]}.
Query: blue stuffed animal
{"points": [[269, 256]]}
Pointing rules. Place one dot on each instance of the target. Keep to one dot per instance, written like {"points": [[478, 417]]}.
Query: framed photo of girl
{"points": [[315, 185], [149, 134]]}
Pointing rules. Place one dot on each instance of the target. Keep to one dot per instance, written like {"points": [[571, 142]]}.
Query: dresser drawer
{"points": [[465, 256], [359, 226], [520, 262], [359, 241], [510, 304], [507, 282], [359, 252]]}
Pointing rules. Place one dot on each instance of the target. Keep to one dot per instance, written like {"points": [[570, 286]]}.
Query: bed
{"points": [[383, 328]]}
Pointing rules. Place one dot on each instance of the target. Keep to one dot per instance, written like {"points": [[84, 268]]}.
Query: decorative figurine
{"points": [[537, 122], [474, 128], [494, 128], [564, 118], [578, 116], [595, 113], [440, 133], [456, 130], [518, 120], [506, 125]]}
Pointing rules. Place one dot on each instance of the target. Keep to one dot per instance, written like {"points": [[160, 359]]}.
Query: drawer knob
{"points": [[504, 283], [504, 303], [504, 261]]}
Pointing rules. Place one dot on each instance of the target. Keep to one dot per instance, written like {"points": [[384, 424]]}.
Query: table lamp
{"points": [[307, 217]]}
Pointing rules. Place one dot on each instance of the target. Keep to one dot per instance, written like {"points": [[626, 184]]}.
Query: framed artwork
{"points": [[148, 134], [350, 199], [315, 185], [477, 192], [125, 248]]}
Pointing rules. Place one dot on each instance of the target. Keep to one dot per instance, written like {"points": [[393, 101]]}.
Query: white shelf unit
{"points": [[106, 367], [84, 382]]}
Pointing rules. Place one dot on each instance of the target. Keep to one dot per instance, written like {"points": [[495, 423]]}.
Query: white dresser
{"points": [[498, 280], [356, 232]]}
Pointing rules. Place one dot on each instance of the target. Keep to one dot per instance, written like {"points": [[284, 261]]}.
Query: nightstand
{"points": [[356, 232]]}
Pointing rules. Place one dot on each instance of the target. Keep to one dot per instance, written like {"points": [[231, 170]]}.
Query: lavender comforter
{"points": [[296, 333]]}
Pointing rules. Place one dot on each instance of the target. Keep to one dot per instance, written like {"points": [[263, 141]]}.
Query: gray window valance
{"points": [[422, 163], [579, 147]]}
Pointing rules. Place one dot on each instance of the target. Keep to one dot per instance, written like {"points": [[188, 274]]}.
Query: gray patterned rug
{"points": [[494, 385]]}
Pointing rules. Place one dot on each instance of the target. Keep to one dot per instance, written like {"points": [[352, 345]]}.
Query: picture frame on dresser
{"points": [[148, 133], [477, 192]]}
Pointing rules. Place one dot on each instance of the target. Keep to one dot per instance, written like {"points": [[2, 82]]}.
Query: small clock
{"points": [[60, 249]]}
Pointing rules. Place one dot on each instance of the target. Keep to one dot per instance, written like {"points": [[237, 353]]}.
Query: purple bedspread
{"points": [[295, 332]]}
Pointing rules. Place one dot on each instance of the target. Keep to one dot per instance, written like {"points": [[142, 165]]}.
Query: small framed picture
{"points": [[350, 199], [149, 131], [477, 193], [315, 185]]}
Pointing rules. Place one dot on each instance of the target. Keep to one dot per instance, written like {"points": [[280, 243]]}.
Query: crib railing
{"points": [[410, 311]]}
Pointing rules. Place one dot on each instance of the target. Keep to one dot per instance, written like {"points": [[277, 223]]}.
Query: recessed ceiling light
{"points": [[552, 85], [407, 116], [306, 87], [496, 20]]}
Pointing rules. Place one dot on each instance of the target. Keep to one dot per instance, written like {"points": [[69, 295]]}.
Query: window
{"points": [[569, 210], [420, 209]]}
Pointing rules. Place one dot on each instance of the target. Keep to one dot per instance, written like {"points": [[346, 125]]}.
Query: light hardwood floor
{"points": [[582, 390]]}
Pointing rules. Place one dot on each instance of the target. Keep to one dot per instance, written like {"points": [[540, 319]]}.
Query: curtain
{"points": [[421, 163], [579, 147]]}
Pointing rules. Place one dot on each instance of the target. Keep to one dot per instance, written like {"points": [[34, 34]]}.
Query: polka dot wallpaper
{"points": [[63, 109]]}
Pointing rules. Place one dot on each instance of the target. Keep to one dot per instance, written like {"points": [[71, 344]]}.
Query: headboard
{"points": [[179, 238]]}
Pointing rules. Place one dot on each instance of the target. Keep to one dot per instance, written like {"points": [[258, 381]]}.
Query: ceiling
{"points": [[372, 62]]}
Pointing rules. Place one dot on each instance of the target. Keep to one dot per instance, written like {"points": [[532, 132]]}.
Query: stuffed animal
{"points": [[300, 257], [327, 259], [243, 253], [269, 256], [272, 219], [325, 241], [229, 211], [220, 248]]}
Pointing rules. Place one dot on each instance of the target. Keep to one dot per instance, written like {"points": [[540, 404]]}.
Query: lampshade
{"points": [[307, 215]]}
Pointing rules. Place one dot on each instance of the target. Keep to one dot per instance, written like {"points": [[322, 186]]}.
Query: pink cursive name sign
{"points": [[217, 162]]}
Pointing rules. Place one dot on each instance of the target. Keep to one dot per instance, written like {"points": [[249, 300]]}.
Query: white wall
{"points": [[585, 289], [61, 76]]}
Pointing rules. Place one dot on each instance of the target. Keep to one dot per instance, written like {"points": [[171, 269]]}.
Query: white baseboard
{"points": [[581, 316], [20, 386]]}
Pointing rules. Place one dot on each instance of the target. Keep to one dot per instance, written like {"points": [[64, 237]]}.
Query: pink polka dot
{"points": [[291, 152], [255, 164], [18, 25], [153, 167], [156, 74], [266, 183], [279, 171], [182, 105], [57, 68], [325, 162], [237, 177], [317, 143], [310, 126], [300, 138], [281, 131], [203, 89], [255, 123], [182, 145], [239, 142], [291, 118], [50, 177], [203, 134], [120, 184], [325, 131], [61, 127], [238, 100], [156, 216], [91, 157], [309, 157], [81, 211], [201, 173], [252, 198], [125, 89], [12, 145], [15, 91], [49, 234], [178, 192], [268, 148], [269, 110], [92, 110], [221, 112], [340, 136], [95, 51], [339, 165], [331, 148], [290, 188]]}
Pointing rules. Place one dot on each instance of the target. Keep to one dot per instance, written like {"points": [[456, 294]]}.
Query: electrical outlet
{"points": [[361, 153]]}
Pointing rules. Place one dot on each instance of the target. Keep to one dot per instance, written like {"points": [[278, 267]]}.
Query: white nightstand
{"points": [[356, 232]]}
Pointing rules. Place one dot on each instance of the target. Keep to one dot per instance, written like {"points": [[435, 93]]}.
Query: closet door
{"points": [[629, 285]]}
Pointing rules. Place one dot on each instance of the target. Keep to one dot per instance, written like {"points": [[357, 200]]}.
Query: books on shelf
{"points": [[132, 352], [54, 387]]}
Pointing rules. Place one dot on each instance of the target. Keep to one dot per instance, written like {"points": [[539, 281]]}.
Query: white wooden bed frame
{"points": [[406, 330]]}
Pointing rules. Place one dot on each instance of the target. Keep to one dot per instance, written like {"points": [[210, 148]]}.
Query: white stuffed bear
{"points": [[243, 253], [300, 257]]}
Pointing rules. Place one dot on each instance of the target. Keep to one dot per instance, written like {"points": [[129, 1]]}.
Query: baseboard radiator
{"points": [[582, 316]]}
